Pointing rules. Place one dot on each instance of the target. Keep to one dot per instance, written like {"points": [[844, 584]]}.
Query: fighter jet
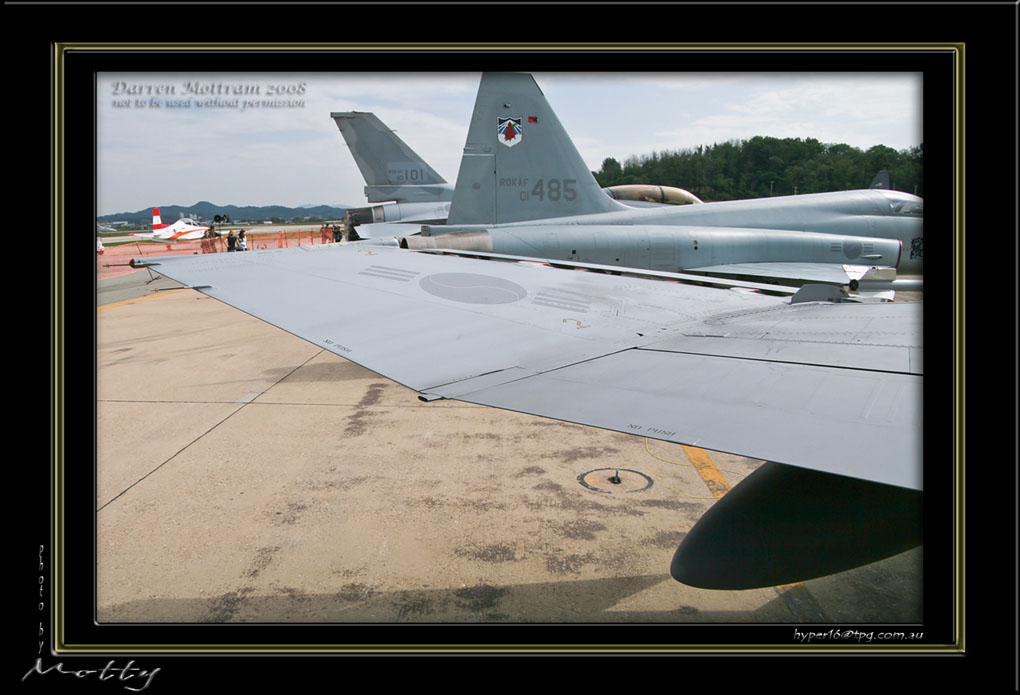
{"points": [[184, 229], [406, 189], [523, 189]]}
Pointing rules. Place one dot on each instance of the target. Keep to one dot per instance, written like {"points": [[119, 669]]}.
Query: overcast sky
{"points": [[178, 139]]}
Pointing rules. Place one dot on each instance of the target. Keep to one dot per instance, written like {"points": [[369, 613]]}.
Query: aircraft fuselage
{"points": [[874, 227]]}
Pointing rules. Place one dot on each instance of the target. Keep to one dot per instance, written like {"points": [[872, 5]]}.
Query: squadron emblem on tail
{"points": [[510, 130]]}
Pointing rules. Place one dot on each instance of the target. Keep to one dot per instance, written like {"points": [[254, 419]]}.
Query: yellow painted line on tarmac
{"points": [[139, 299], [714, 479]]}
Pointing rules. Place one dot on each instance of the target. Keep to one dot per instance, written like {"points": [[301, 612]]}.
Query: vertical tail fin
{"points": [[391, 169], [157, 222], [519, 163]]}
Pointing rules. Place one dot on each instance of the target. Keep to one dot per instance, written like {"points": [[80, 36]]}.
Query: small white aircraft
{"points": [[184, 229]]}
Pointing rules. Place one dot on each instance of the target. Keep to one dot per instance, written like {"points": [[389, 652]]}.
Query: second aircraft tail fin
{"points": [[519, 163], [881, 180], [391, 169], [157, 221]]}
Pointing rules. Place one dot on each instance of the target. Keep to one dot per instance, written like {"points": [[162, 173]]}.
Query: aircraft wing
{"points": [[831, 387], [187, 235], [385, 230], [805, 272]]}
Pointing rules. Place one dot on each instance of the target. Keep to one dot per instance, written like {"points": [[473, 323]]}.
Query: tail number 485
{"points": [[553, 189]]}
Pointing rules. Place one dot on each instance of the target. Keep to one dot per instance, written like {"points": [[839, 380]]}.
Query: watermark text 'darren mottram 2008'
{"points": [[203, 94]]}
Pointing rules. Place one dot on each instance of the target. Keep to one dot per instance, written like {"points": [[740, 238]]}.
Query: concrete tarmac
{"points": [[245, 475]]}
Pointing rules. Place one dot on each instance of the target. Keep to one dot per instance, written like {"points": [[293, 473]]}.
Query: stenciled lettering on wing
{"points": [[652, 431], [333, 345]]}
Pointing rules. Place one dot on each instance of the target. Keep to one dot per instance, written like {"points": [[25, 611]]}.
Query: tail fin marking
{"points": [[157, 222]]}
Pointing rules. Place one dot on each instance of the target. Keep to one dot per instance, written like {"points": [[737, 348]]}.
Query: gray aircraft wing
{"points": [[836, 273], [829, 394], [830, 387]]}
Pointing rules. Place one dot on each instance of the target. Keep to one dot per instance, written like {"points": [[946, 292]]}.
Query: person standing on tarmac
{"points": [[231, 241], [242, 243]]}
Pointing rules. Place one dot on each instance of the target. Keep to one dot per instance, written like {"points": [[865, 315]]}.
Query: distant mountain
{"points": [[206, 211]]}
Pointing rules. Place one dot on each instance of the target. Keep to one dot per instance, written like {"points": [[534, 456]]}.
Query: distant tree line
{"points": [[764, 166]]}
